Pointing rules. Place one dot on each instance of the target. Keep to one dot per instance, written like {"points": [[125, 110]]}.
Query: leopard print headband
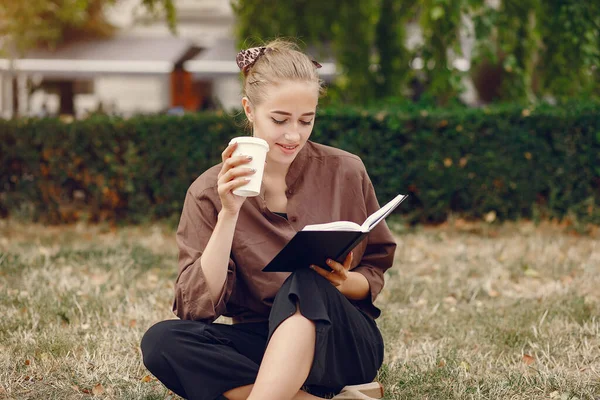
{"points": [[247, 58]]}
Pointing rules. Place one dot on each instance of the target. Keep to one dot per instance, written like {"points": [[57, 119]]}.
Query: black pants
{"points": [[201, 361]]}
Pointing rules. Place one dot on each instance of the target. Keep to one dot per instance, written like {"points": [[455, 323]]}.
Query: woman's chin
{"points": [[281, 159]]}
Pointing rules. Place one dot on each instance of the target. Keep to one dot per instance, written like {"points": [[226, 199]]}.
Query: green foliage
{"points": [[394, 57], [542, 48], [440, 21], [106, 169], [48, 23], [571, 32], [532, 163]]}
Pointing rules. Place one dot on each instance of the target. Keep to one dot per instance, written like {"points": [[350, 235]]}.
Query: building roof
{"points": [[119, 55]]}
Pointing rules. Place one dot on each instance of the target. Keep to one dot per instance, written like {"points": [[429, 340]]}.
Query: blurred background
{"points": [[125, 57], [490, 107], [485, 112]]}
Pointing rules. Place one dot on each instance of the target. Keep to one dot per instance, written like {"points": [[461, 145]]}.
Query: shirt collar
{"points": [[298, 165]]}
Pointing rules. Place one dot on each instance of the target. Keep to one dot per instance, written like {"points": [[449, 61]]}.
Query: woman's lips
{"points": [[288, 149]]}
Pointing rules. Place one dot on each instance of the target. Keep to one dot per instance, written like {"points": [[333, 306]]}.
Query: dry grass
{"points": [[470, 312]]}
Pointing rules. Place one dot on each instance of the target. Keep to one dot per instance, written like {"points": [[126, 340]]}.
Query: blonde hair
{"points": [[281, 61]]}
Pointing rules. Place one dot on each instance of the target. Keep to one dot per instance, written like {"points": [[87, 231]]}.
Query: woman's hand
{"points": [[339, 272], [232, 176]]}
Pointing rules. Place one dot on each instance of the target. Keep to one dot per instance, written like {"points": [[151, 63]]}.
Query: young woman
{"points": [[294, 336]]}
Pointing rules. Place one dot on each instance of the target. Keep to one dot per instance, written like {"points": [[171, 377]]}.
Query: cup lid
{"points": [[250, 139]]}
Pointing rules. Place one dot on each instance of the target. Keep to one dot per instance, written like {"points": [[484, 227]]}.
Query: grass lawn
{"points": [[470, 311]]}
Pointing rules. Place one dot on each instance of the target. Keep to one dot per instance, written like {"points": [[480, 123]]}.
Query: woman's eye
{"points": [[281, 122]]}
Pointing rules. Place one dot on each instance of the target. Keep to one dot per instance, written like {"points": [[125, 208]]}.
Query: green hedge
{"points": [[514, 162]]}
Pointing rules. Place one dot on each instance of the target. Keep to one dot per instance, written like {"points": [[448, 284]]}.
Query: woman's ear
{"points": [[248, 109]]}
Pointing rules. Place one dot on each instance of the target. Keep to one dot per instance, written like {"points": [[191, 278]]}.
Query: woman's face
{"points": [[284, 119]]}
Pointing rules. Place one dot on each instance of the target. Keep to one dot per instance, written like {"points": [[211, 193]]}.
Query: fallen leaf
{"points": [[98, 389], [27, 362], [490, 217], [442, 363], [99, 279], [527, 359], [147, 378], [450, 300], [566, 279], [530, 272]]}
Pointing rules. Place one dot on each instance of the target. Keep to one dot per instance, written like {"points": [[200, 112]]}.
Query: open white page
{"points": [[369, 223], [334, 226], [383, 212]]}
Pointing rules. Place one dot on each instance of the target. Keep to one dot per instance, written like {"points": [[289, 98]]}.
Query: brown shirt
{"points": [[324, 184]]}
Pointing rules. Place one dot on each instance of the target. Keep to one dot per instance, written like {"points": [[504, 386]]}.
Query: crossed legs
{"points": [[285, 365], [204, 361]]}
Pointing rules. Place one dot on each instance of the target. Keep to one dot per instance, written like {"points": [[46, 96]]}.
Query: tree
{"points": [[47, 23], [538, 48], [545, 48], [344, 28], [390, 38]]}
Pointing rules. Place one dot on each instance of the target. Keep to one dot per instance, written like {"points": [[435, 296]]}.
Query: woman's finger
{"points": [[237, 172], [233, 162], [325, 274], [232, 185], [336, 266], [228, 151], [348, 261]]}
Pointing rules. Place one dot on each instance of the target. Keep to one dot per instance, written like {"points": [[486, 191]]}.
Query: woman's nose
{"points": [[292, 134]]}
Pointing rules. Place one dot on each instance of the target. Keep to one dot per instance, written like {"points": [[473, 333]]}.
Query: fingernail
{"points": [[329, 261], [311, 266], [249, 157]]}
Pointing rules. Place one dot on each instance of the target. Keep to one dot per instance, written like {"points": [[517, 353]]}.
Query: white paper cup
{"points": [[257, 148]]}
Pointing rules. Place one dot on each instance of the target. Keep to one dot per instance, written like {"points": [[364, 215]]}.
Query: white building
{"points": [[144, 69]]}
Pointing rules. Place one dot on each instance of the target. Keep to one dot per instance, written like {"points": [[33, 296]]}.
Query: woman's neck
{"points": [[275, 171]]}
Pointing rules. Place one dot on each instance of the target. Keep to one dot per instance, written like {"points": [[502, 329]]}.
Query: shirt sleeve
{"points": [[379, 253], [192, 297]]}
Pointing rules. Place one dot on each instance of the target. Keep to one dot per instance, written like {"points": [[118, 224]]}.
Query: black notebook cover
{"points": [[314, 247]]}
